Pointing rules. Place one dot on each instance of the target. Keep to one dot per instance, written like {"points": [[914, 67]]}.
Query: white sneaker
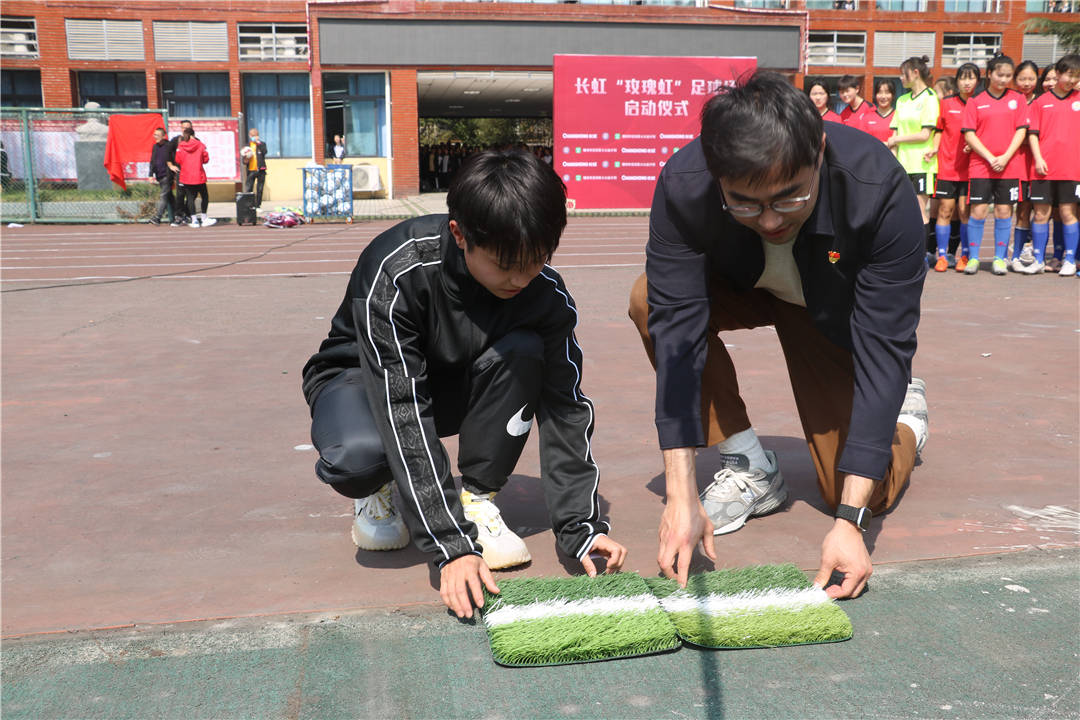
{"points": [[208, 221], [1035, 268], [739, 492], [1068, 269], [1017, 265], [1027, 255], [914, 413], [195, 223], [502, 546], [377, 525]]}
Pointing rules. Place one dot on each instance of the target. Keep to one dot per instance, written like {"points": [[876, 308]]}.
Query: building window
{"points": [[355, 106], [973, 6], [832, 47], [832, 4], [279, 106], [196, 94], [1052, 6], [197, 41], [1043, 50], [273, 41], [104, 39], [893, 48], [902, 5], [18, 37], [763, 4], [113, 89], [20, 88], [960, 48]]}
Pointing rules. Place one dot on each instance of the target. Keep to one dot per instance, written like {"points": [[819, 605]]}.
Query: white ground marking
{"points": [[746, 602], [564, 608]]}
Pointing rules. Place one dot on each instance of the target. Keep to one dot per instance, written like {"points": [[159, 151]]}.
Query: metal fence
{"points": [[52, 168]]}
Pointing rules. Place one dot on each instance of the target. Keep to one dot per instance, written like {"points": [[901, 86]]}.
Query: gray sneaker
{"points": [[915, 406], [737, 493]]}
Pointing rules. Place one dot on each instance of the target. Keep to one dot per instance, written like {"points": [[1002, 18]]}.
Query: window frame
{"points": [[169, 97], [7, 30], [278, 99], [5, 98], [950, 58], [116, 76], [836, 45], [245, 30]]}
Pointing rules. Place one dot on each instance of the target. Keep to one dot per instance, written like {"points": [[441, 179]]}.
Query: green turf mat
{"points": [[556, 621], [761, 606]]}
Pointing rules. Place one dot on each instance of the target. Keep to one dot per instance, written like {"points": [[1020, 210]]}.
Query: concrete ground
{"points": [[167, 552]]}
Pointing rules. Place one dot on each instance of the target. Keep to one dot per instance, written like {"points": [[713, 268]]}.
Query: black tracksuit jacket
{"points": [[411, 312], [867, 301]]}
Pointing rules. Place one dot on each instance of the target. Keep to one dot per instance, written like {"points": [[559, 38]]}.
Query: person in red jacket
{"points": [[191, 156]]}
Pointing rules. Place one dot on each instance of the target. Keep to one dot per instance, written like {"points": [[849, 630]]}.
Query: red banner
{"points": [[618, 118]]}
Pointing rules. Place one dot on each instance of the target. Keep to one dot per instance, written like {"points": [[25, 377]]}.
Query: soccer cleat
{"points": [[502, 548], [971, 268], [739, 492], [961, 263], [942, 264], [377, 524], [914, 413], [1035, 268], [999, 266], [951, 260], [1068, 269]]}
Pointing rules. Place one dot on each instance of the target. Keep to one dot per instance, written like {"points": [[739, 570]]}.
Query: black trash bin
{"points": [[245, 209]]}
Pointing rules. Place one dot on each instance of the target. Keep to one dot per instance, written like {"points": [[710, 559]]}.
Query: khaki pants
{"points": [[822, 380]]}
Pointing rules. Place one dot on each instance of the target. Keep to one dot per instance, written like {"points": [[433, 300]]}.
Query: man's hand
{"points": [[843, 550], [683, 524], [462, 577], [605, 546]]}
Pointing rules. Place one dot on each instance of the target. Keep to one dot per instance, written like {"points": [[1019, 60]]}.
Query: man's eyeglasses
{"points": [[787, 205]]}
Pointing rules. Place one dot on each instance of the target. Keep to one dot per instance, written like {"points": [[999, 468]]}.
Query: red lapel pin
{"points": [[833, 256]]}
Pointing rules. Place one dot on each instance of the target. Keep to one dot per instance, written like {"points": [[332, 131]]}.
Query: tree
{"points": [[1068, 33]]}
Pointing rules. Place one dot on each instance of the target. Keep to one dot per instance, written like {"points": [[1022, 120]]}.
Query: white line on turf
{"points": [[563, 608], [747, 602]]}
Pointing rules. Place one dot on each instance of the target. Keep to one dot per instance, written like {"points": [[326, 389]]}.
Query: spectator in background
{"points": [[338, 151], [160, 171], [995, 123], [5, 173], [856, 109], [819, 95], [191, 156], [255, 165], [1025, 80], [879, 123], [951, 188], [180, 205], [914, 121], [1047, 82]]}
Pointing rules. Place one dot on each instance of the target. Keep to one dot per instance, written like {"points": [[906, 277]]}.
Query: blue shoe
{"points": [[951, 260]]}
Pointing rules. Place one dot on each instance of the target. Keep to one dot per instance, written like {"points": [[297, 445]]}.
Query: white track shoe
{"points": [[503, 548]]}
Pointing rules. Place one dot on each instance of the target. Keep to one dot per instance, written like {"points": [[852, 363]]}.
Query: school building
{"points": [[302, 72]]}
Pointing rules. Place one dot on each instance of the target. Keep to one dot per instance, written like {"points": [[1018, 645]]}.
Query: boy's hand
{"points": [[462, 577], [613, 551]]}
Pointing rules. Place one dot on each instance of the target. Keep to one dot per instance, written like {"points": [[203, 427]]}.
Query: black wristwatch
{"points": [[859, 516]]}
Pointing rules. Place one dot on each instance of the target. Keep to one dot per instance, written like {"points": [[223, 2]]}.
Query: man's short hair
{"points": [[849, 81], [161, 130], [185, 122], [510, 203], [761, 130]]}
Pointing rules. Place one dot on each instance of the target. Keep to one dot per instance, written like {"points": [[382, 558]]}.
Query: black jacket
{"points": [[160, 156], [868, 301], [411, 313]]}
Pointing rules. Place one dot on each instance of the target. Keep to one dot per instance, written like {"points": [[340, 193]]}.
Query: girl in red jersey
{"points": [[1055, 127], [1025, 80], [1053, 264], [878, 123], [994, 125], [952, 154], [819, 95], [855, 108]]}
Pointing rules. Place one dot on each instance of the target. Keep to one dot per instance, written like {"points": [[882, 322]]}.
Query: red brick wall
{"points": [[405, 131]]}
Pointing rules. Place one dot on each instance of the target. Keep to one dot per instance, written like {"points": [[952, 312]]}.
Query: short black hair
{"points": [[511, 203], [1068, 63], [888, 84], [999, 59], [951, 88], [760, 130], [850, 81], [1026, 64], [968, 69]]}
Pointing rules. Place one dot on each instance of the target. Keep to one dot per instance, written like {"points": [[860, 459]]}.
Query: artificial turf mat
{"points": [[556, 621], [762, 606]]}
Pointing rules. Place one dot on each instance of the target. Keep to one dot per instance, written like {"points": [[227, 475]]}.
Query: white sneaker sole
{"points": [[389, 542]]}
